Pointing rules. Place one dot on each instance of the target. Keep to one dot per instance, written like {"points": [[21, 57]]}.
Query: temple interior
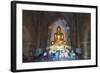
{"points": [[56, 36]]}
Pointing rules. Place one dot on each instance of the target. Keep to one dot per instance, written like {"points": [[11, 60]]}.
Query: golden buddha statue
{"points": [[58, 36], [59, 44]]}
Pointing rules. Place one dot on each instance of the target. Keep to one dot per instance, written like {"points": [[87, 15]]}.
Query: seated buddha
{"points": [[59, 38], [58, 35], [59, 43], [58, 46]]}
